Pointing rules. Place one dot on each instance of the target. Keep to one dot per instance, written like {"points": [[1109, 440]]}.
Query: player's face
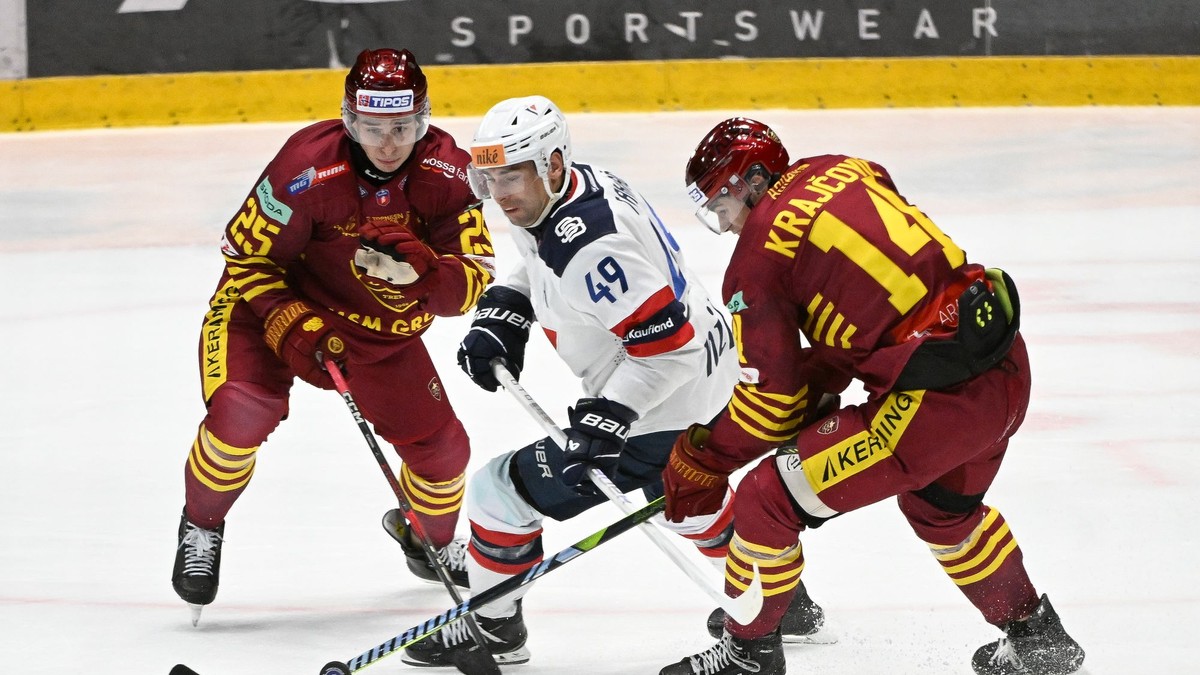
{"points": [[724, 213], [387, 141], [519, 191]]}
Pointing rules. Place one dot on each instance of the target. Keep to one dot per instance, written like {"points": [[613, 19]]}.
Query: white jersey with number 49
{"points": [[609, 286]]}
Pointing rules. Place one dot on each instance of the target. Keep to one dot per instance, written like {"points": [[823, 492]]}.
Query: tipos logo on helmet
{"points": [[386, 98], [384, 102]]}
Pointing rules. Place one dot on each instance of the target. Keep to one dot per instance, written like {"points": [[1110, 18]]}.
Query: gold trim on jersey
{"points": [[815, 332], [254, 275], [760, 414], [478, 277]]}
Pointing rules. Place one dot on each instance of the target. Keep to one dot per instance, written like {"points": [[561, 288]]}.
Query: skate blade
{"points": [[195, 610], [514, 657], [821, 637]]}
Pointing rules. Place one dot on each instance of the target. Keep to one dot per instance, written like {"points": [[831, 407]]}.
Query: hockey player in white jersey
{"points": [[608, 284]]}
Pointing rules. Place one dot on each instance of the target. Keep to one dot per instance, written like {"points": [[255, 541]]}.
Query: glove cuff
{"points": [[602, 406], [690, 471], [691, 453], [505, 305], [281, 320]]}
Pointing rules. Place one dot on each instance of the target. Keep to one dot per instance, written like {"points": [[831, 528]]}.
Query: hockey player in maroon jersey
{"points": [[356, 235], [829, 249]]}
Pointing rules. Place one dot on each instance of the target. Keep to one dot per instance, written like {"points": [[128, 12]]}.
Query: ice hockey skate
{"points": [[453, 555], [1036, 646], [802, 624], [735, 656], [197, 570], [505, 638]]}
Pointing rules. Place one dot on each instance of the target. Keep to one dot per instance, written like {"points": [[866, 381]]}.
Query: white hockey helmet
{"points": [[515, 130]]}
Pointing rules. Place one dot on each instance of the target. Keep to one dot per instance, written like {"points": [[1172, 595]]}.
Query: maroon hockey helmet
{"points": [[386, 83], [724, 163]]}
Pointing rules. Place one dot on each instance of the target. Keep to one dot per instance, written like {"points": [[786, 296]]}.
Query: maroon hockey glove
{"points": [[303, 340], [691, 487], [391, 252]]}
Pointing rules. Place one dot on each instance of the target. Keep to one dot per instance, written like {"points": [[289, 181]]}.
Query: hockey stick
{"points": [[743, 608], [468, 607], [475, 660]]}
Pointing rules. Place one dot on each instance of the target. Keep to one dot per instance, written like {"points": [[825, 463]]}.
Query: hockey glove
{"points": [[599, 429], [303, 340], [692, 488], [393, 253], [500, 330]]}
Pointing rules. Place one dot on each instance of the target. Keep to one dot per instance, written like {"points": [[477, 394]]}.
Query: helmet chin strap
{"points": [[554, 196]]}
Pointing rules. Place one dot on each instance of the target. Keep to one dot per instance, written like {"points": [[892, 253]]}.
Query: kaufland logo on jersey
{"points": [[384, 101], [649, 331]]}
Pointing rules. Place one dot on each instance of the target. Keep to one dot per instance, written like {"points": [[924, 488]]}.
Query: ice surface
{"points": [[108, 253]]}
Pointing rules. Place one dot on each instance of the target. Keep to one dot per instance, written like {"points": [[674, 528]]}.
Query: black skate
{"points": [[505, 638], [1036, 646], [801, 624], [453, 556], [735, 656], [197, 570]]}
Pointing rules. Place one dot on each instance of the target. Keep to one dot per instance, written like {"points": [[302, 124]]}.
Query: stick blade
{"points": [[745, 607], [394, 524]]}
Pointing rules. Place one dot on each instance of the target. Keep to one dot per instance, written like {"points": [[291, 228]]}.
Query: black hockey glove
{"points": [[599, 429], [500, 330]]}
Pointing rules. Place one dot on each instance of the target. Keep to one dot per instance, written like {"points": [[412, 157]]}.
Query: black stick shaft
{"points": [[481, 658]]}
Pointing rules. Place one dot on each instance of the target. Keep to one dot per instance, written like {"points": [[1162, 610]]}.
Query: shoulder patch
{"points": [[736, 303], [277, 210]]}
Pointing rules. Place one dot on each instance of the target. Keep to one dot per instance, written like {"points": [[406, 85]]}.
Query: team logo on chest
{"points": [[569, 228], [383, 197]]}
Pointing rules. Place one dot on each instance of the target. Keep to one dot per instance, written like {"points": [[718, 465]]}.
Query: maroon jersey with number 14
{"points": [[832, 252]]}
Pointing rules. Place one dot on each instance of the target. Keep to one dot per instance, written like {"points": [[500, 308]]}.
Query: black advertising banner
{"points": [[68, 37]]}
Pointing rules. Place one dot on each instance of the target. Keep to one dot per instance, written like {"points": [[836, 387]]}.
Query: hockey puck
{"points": [[181, 669], [335, 668]]}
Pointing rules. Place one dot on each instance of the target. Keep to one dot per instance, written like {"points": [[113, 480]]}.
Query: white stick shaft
{"points": [[743, 608]]}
